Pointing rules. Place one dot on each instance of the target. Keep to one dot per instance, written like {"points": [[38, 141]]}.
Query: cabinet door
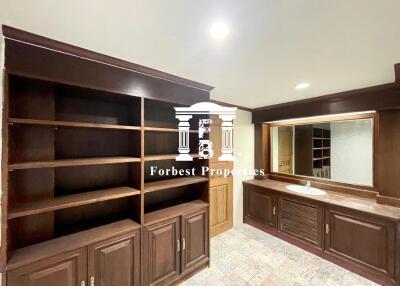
{"points": [[260, 206], [162, 251], [301, 219], [67, 269], [365, 240], [115, 262], [195, 238], [221, 193]]}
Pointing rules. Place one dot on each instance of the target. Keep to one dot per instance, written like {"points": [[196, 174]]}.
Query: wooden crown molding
{"points": [[23, 36], [231, 105]]}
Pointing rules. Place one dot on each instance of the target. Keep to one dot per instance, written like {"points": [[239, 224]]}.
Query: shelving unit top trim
{"points": [[67, 64]]}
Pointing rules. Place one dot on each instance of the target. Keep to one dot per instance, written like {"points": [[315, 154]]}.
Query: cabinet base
{"points": [[375, 277], [193, 270]]}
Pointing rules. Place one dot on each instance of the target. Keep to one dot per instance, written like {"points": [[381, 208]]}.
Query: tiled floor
{"points": [[248, 256]]}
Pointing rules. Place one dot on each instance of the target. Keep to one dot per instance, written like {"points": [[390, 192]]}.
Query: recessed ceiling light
{"points": [[219, 30], [303, 85]]}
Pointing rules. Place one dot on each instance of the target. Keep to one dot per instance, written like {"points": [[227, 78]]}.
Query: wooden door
{"points": [[195, 238], [260, 205], [221, 188], [285, 149], [362, 239], [67, 269], [162, 251], [115, 262]]}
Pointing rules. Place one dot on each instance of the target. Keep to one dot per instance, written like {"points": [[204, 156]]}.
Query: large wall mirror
{"points": [[338, 149]]}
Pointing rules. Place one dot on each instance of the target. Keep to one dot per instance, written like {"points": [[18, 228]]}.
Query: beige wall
{"points": [[243, 146]]}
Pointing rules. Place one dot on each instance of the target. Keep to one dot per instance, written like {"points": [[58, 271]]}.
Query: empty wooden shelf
{"points": [[173, 183], [163, 129], [70, 124], [73, 162], [62, 202], [165, 157]]}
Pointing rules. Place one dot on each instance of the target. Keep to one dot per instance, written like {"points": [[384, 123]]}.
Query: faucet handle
{"points": [[308, 184]]}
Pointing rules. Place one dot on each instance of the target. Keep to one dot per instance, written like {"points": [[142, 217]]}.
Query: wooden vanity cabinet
{"points": [[176, 246], [260, 206], [362, 239], [302, 219]]}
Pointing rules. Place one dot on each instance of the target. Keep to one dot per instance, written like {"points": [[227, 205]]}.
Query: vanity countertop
{"points": [[334, 198]]}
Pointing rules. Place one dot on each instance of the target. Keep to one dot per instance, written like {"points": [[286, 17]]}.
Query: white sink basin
{"points": [[306, 190]]}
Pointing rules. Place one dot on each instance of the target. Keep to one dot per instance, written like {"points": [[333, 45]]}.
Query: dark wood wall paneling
{"points": [[373, 98], [76, 66]]}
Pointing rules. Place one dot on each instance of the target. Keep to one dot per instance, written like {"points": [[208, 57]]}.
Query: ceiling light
{"points": [[303, 85], [219, 30]]}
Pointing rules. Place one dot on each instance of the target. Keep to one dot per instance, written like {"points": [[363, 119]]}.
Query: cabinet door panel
{"points": [[260, 206], [162, 255], [364, 240], [116, 262], [68, 269], [301, 219], [195, 238]]}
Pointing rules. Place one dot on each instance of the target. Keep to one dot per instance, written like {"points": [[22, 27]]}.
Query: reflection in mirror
{"points": [[341, 151]]}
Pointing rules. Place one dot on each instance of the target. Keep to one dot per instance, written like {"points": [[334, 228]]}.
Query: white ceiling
{"points": [[336, 45]]}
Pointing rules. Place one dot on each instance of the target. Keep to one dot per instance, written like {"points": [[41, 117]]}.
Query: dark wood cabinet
{"points": [[260, 205], [301, 219], [176, 242], [104, 256], [162, 248], [365, 240], [67, 269], [195, 248], [115, 261]]}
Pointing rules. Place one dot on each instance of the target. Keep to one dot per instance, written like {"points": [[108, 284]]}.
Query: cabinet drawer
{"points": [[301, 219]]}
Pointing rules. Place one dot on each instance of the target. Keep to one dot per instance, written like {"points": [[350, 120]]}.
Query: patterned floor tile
{"points": [[249, 257]]}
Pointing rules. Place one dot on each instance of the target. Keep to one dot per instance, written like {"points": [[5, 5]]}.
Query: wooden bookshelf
{"points": [[78, 145]]}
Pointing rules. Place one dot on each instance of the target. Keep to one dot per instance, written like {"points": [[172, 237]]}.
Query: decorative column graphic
{"points": [[184, 114], [184, 146], [227, 137]]}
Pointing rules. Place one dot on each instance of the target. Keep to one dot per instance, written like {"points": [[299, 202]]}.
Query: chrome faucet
{"points": [[308, 184]]}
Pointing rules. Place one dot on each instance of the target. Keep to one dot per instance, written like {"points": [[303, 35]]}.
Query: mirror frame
{"points": [[324, 119]]}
